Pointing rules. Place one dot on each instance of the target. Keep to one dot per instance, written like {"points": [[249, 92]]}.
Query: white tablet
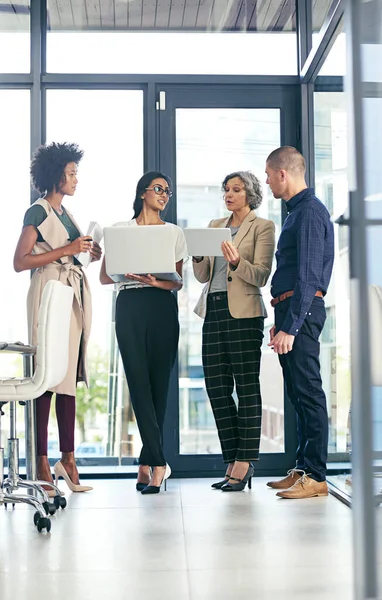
{"points": [[206, 241]]}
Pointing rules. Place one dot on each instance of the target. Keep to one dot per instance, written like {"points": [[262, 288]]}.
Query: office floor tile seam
{"points": [[189, 582]]}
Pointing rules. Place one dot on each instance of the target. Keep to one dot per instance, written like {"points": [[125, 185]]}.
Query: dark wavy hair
{"points": [[144, 183], [49, 162], [252, 187]]}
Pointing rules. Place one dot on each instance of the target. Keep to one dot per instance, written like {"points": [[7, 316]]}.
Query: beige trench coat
{"points": [[56, 236]]}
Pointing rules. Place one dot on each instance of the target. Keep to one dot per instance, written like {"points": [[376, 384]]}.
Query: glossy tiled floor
{"points": [[189, 543]]}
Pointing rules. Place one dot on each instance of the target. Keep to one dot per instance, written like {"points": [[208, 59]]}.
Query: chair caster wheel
{"points": [[59, 502], [49, 508], [43, 523]]}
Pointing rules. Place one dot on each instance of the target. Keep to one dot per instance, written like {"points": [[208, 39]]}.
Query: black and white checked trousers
{"points": [[231, 356]]}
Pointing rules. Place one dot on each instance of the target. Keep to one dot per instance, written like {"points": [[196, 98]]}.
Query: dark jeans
{"points": [[147, 328], [301, 370]]}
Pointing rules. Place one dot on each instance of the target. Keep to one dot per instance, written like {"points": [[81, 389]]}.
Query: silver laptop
{"points": [[206, 241], [142, 250]]}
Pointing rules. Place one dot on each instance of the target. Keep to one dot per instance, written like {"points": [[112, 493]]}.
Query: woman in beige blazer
{"points": [[233, 309], [48, 243]]}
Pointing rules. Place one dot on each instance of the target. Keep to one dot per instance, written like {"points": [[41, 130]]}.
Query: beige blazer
{"points": [[56, 236], [255, 242]]}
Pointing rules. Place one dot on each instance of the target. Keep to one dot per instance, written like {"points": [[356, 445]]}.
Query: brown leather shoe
{"points": [[283, 484], [305, 487]]}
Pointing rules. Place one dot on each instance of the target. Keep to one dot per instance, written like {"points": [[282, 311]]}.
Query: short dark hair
{"points": [[144, 183], [287, 158], [49, 162], [252, 187]]}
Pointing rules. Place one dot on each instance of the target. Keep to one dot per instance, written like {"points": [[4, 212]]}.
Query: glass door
{"points": [[106, 429], [204, 135]]}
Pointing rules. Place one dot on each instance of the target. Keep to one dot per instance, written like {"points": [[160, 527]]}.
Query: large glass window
{"points": [[373, 206], [140, 36], [210, 144], [330, 133], [108, 126], [15, 37], [15, 188], [335, 63]]}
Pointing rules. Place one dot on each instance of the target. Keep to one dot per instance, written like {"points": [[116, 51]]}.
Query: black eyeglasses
{"points": [[159, 190]]}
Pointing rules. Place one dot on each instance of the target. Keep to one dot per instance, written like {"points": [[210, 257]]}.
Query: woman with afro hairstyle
{"points": [[48, 243]]}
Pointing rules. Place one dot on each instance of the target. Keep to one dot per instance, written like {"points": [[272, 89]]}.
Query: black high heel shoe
{"points": [[154, 489], [219, 484], [139, 486], [241, 483]]}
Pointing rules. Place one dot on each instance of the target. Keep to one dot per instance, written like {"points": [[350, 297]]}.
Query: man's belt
{"points": [[286, 295]]}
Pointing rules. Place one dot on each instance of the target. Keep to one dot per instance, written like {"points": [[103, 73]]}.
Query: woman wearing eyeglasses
{"points": [[147, 329]]}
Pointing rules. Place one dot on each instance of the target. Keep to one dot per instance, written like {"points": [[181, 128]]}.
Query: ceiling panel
{"points": [[135, 13], [320, 11], [120, 13], [176, 15], [204, 14], [162, 15], [282, 16], [190, 14], [79, 13], [93, 12], [149, 10], [217, 22], [65, 12], [107, 9], [233, 11], [252, 23]]}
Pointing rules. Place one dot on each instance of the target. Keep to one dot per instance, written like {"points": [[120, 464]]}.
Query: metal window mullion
{"points": [[307, 130], [37, 25], [36, 69], [328, 34], [364, 518], [304, 31], [150, 128], [126, 79]]}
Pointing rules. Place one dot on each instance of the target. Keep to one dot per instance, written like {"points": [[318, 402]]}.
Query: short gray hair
{"points": [[252, 187]]}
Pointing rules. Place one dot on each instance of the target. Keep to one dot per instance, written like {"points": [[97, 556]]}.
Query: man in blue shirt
{"points": [[304, 256]]}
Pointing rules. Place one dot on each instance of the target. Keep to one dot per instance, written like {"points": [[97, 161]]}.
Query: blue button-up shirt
{"points": [[304, 256]]}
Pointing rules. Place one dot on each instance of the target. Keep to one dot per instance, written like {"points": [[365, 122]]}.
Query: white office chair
{"points": [[51, 365]]}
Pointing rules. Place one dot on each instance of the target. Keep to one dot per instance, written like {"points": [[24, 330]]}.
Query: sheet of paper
{"points": [[95, 231]]}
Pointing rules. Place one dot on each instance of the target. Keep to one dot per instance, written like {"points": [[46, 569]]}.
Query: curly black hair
{"points": [[49, 162]]}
